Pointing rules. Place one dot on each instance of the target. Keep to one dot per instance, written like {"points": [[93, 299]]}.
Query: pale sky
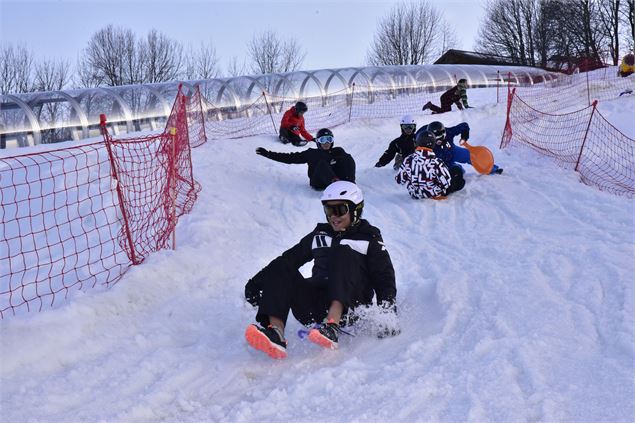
{"points": [[333, 33]]}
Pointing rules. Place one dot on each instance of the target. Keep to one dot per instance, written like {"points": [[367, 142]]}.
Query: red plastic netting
{"points": [[573, 91], [77, 217], [582, 140], [60, 226]]}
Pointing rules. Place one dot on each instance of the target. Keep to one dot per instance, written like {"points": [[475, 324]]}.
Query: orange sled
{"points": [[481, 157]]}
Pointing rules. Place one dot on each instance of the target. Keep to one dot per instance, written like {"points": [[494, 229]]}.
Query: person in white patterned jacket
{"points": [[424, 174]]}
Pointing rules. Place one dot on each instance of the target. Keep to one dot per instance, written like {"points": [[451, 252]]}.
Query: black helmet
{"points": [[324, 131], [426, 139], [300, 106], [327, 134], [438, 130]]}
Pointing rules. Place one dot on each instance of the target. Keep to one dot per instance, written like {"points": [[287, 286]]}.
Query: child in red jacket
{"points": [[292, 125]]}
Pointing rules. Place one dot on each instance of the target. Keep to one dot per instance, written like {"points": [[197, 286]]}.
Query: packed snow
{"points": [[516, 301]]}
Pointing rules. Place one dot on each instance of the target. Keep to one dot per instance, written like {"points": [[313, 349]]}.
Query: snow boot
{"points": [[268, 340]]}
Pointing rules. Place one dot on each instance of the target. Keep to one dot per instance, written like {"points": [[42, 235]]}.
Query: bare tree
{"points": [[609, 19], [509, 29], [116, 56], [448, 39], [110, 56], [163, 57], [202, 63], [628, 19], [411, 34], [234, 68], [270, 54], [15, 69], [52, 75], [86, 76]]}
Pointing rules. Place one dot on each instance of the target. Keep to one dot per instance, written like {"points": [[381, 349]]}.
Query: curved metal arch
{"points": [[124, 107], [35, 124], [254, 82], [450, 76], [431, 77], [360, 71], [477, 70], [515, 77], [159, 96], [311, 75], [379, 71], [466, 75], [335, 73], [408, 72], [369, 83], [280, 90], [233, 95], [80, 113]]}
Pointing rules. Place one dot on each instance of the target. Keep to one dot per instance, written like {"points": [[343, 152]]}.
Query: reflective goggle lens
{"points": [[409, 127], [335, 209], [325, 139]]}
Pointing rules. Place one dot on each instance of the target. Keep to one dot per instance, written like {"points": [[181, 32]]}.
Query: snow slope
{"points": [[516, 301]]}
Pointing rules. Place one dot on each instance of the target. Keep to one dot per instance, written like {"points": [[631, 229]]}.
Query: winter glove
{"points": [[386, 332], [378, 164], [465, 135], [295, 129], [262, 152]]}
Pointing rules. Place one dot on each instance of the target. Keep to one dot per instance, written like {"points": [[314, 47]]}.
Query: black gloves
{"points": [[386, 332], [378, 164], [465, 135], [295, 129], [262, 152], [389, 324]]}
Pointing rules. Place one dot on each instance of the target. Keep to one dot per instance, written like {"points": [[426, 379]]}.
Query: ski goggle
{"points": [[440, 136], [335, 209], [324, 139], [408, 127]]}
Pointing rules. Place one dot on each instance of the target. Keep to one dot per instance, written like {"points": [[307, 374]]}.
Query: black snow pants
{"points": [[279, 287], [287, 136], [325, 173]]}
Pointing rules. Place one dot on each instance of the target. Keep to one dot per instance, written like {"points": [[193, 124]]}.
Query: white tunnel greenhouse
{"points": [[48, 117]]}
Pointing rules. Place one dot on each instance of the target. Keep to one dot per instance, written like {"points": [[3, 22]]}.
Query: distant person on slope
{"points": [[445, 149], [424, 174], [400, 147], [627, 67], [350, 266], [326, 163], [456, 95], [292, 125]]}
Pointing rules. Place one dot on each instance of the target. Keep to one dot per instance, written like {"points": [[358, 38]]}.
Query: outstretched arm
{"points": [[289, 158], [388, 155]]}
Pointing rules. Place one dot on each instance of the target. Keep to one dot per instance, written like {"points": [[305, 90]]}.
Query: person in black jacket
{"points": [[400, 147], [455, 95], [350, 266], [326, 163]]}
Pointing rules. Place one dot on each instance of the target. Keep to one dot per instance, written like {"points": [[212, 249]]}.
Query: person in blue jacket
{"points": [[446, 150]]}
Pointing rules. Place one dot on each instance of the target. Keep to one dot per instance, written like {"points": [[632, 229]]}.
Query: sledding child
{"points": [[350, 266], [326, 163]]}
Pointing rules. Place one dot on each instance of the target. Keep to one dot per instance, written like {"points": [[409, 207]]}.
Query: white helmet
{"points": [[349, 192], [408, 120]]}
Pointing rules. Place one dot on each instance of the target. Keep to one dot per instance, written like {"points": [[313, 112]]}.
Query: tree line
{"points": [[116, 56], [548, 33], [544, 33]]}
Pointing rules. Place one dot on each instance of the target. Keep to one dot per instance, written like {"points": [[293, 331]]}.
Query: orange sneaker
{"points": [[268, 340], [326, 335]]}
